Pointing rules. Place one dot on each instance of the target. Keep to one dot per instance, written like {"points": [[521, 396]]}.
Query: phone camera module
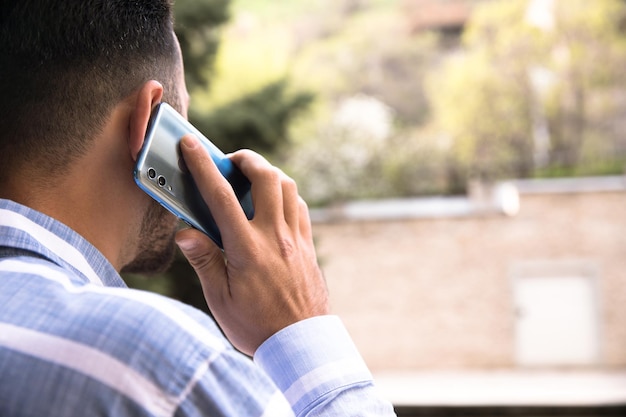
{"points": [[161, 181], [152, 173]]}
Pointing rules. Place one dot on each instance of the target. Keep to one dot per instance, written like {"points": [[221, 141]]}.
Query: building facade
{"points": [[543, 287]]}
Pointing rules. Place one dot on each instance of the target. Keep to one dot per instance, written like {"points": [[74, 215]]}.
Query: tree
{"points": [[518, 97], [586, 56], [259, 119], [197, 24], [256, 121]]}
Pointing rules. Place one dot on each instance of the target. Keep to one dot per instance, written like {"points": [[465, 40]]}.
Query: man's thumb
{"points": [[201, 252]]}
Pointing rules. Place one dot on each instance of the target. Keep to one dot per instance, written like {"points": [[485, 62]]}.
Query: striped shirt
{"points": [[75, 341]]}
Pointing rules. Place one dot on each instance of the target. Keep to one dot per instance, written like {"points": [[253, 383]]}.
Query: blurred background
{"points": [[464, 164]]}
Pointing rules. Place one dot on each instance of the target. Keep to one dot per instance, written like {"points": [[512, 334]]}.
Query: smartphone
{"points": [[161, 172]]}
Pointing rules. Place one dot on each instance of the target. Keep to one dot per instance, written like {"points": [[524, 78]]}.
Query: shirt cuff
{"points": [[312, 359]]}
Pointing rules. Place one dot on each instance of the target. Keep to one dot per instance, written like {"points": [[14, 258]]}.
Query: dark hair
{"points": [[65, 64]]}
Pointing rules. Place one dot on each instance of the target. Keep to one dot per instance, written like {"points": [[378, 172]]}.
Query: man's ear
{"points": [[148, 96]]}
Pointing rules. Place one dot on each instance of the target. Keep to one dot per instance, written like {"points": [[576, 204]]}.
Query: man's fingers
{"points": [[271, 279], [214, 188], [291, 202], [304, 220], [266, 186], [273, 192]]}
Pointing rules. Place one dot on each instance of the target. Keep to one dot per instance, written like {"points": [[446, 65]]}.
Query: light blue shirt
{"points": [[75, 341]]}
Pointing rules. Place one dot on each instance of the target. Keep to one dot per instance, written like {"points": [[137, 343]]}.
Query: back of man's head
{"points": [[65, 64]]}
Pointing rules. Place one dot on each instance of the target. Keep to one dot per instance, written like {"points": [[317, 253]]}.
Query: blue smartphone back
{"points": [[160, 171]]}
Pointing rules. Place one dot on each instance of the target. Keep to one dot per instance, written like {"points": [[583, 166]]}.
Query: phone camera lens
{"points": [[161, 181], [151, 173]]}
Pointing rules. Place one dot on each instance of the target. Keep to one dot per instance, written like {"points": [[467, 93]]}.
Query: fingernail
{"points": [[189, 141], [186, 244]]}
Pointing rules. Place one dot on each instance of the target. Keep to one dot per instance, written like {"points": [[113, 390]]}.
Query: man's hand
{"points": [[268, 277]]}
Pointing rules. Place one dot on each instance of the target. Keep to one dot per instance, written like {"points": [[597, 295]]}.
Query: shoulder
{"points": [[119, 322], [141, 344], [56, 300]]}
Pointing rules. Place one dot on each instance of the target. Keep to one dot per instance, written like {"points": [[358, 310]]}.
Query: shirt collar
{"points": [[26, 229]]}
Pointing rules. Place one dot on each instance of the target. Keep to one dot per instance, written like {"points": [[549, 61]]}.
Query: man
{"points": [[78, 81]]}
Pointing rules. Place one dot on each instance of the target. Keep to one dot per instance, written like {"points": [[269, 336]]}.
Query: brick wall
{"points": [[438, 293]]}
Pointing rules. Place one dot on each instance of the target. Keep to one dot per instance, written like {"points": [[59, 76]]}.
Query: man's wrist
{"points": [[312, 358]]}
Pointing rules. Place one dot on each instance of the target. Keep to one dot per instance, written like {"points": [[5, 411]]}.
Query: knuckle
{"points": [[221, 193], [289, 183], [286, 247], [274, 174], [269, 175]]}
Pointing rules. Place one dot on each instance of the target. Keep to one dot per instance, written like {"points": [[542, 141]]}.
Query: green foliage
{"points": [[257, 121], [365, 55], [523, 94], [368, 52], [196, 28]]}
